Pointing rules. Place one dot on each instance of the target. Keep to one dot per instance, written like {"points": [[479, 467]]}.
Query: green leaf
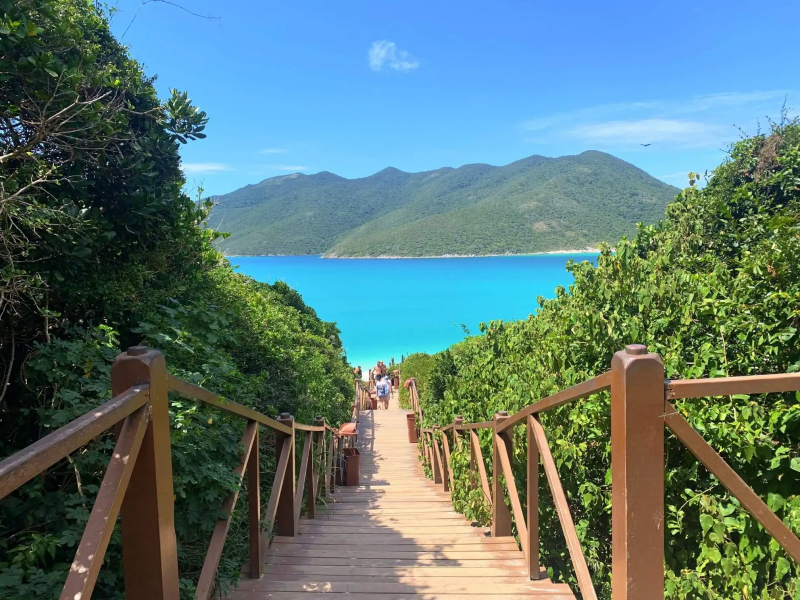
{"points": [[782, 568], [744, 542], [31, 29], [775, 502], [706, 522], [795, 464], [727, 566], [713, 555]]}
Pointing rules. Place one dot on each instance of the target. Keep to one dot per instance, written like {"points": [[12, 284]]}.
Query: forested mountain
{"points": [[536, 204]]}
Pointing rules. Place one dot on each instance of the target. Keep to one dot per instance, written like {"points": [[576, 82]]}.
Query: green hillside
{"points": [[536, 204]]}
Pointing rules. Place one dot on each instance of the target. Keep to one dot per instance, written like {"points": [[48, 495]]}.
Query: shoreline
{"points": [[384, 257]]}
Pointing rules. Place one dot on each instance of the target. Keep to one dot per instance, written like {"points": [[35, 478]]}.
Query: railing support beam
{"points": [[254, 508], [284, 519], [501, 516], [637, 467], [533, 502]]}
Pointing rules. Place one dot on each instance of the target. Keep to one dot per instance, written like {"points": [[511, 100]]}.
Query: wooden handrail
{"points": [[727, 386], [22, 466], [309, 428], [583, 389], [470, 426], [193, 392], [639, 412], [138, 480]]}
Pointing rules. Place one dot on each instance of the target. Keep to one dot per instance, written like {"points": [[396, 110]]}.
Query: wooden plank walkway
{"points": [[394, 537]]}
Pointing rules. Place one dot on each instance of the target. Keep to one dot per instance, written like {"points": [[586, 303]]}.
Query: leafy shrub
{"points": [[102, 249], [417, 366], [715, 290]]}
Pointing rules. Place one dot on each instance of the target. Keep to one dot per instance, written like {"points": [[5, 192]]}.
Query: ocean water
{"points": [[390, 307]]}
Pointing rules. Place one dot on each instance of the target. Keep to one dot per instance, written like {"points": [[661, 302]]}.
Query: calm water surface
{"points": [[389, 307]]}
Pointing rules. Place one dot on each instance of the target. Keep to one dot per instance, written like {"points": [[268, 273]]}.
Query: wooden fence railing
{"points": [[363, 399], [138, 481], [640, 409]]}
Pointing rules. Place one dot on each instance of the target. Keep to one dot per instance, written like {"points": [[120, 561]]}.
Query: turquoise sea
{"points": [[389, 307]]}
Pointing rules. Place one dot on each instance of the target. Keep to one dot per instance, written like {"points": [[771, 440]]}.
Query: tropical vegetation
{"points": [[417, 366], [714, 288], [100, 249], [537, 204]]}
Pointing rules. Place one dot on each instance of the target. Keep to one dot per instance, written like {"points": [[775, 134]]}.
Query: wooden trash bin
{"points": [[411, 422], [352, 466]]}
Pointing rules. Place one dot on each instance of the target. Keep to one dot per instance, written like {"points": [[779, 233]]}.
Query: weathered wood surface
{"points": [[394, 537]]}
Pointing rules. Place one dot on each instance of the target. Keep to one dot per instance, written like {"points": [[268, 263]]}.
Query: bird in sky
{"points": [[645, 145]]}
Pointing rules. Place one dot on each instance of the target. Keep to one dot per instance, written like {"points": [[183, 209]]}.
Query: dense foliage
{"points": [[417, 366], [715, 290], [100, 249], [533, 205]]}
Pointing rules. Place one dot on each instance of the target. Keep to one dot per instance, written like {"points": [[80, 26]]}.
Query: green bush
{"points": [[715, 290], [417, 366]]}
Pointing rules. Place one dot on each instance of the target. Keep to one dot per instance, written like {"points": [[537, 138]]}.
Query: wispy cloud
{"points": [[272, 151], [205, 168], [386, 54], [695, 122]]}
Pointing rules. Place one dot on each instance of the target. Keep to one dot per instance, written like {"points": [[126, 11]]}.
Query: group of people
{"points": [[381, 382]]}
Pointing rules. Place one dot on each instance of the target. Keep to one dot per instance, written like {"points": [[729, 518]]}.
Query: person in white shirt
{"points": [[384, 389]]}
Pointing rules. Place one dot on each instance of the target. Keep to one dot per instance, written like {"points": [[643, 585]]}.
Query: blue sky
{"points": [[353, 86]]}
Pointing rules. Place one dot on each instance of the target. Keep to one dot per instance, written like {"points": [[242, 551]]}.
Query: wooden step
{"points": [[395, 536]]}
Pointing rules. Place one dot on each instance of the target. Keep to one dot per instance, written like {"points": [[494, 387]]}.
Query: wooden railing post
{"points": [[149, 548], [317, 446], [637, 467], [501, 516], [254, 508], [285, 522]]}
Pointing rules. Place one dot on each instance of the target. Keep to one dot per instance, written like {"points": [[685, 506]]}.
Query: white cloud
{"points": [[205, 168], [386, 54], [272, 151], [704, 121]]}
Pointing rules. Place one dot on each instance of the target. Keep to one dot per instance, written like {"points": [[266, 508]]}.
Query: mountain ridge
{"points": [[535, 204]]}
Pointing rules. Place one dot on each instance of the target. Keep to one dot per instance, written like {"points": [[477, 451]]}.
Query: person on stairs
{"points": [[384, 390]]}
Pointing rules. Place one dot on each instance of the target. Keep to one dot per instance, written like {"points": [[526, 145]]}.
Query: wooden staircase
{"points": [[393, 537]]}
